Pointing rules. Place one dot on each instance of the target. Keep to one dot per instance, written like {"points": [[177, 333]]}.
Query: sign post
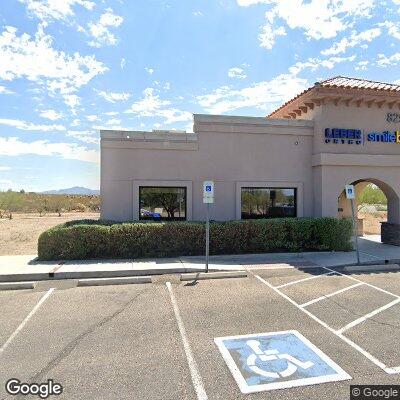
{"points": [[350, 195], [208, 198]]}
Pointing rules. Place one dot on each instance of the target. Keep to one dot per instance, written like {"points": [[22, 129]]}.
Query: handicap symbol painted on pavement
{"points": [[277, 360]]}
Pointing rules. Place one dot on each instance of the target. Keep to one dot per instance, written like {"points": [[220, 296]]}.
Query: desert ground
{"points": [[19, 235]]}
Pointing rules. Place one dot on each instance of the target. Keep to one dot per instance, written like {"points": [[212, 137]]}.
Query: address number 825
{"points": [[393, 117]]}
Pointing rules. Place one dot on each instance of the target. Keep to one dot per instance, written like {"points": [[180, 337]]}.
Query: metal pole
{"points": [[207, 235], [355, 231]]}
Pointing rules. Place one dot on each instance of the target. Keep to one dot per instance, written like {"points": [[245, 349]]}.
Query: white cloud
{"points": [[385, 61], [15, 147], [152, 106], [354, 40], [100, 30], [150, 71], [55, 9], [75, 122], [57, 71], [123, 63], [51, 115], [4, 90], [5, 184], [262, 95], [113, 121], [268, 35], [84, 136], [5, 168], [91, 117], [111, 113], [149, 104], [393, 29], [362, 65], [198, 14], [236, 72], [113, 97], [314, 63], [29, 126], [319, 19], [72, 101]]}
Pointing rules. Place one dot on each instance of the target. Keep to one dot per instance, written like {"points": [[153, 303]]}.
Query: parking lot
{"points": [[157, 341]]}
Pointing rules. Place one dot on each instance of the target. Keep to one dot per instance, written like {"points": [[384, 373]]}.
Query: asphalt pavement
{"points": [[156, 341]]}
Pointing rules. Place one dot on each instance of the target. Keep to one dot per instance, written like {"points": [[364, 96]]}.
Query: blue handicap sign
{"points": [[277, 360], [208, 188]]}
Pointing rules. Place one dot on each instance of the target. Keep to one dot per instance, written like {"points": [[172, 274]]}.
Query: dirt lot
{"points": [[19, 236]]}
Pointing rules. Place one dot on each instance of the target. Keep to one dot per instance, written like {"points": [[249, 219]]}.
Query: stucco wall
{"points": [[243, 151], [336, 165], [229, 151]]}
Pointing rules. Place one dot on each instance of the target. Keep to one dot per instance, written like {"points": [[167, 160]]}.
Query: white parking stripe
{"points": [[325, 325], [330, 295], [303, 280], [367, 316], [25, 321], [194, 371], [364, 283]]}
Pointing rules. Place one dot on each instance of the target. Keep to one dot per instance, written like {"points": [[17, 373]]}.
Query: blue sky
{"points": [[71, 67]]}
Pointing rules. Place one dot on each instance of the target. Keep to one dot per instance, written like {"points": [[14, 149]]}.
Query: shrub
{"points": [[107, 239]]}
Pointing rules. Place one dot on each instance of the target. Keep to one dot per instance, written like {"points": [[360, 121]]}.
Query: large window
{"points": [[259, 202], [162, 203]]}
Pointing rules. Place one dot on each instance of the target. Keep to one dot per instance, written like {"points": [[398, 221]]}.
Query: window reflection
{"points": [[162, 203], [268, 203]]}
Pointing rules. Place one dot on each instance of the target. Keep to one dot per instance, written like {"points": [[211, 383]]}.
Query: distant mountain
{"points": [[74, 190]]}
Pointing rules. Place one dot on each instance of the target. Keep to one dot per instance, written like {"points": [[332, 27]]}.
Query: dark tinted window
{"points": [[268, 203], [162, 203]]}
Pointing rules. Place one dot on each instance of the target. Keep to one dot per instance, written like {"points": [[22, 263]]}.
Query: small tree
{"points": [[9, 202], [58, 203], [43, 206]]}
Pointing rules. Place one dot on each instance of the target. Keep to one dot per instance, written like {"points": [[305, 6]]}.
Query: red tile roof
{"points": [[345, 83], [355, 83]]}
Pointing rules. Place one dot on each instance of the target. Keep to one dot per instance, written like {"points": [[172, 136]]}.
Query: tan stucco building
{"points": [[295, 162]]}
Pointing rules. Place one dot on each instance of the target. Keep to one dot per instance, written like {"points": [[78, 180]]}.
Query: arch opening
{"points": [[376, 203]]}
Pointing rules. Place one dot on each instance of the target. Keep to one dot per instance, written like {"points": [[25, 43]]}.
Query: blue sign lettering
{"points": [[340, 135]]}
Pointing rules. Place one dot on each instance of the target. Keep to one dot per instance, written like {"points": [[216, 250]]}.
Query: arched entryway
{"points": [[385, 208]]}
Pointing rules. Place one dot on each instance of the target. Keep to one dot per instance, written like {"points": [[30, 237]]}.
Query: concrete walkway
{"points": [[22, 268]]}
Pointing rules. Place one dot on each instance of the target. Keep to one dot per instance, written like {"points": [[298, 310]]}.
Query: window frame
{"points": [[294, 188], [185, 188]]}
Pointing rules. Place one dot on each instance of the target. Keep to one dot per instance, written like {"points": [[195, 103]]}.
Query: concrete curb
{"points": [[46, 276], [213, 275], [372, 268], [114, 281], [17, 285]]}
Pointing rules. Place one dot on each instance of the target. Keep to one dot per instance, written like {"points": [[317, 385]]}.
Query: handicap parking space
{"points": [[225, 309]]}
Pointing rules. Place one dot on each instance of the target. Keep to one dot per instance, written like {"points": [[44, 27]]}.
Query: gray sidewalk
{"points": [[23, 268]]}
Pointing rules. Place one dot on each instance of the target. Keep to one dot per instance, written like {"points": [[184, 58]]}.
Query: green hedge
{"points": [[105, 239]]}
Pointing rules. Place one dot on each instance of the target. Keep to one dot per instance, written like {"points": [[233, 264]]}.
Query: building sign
{"points": [[385, 137], [355, 136], [343, 136]]}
